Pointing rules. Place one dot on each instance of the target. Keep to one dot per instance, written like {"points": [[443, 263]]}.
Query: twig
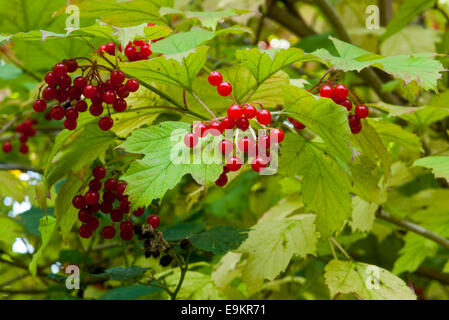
{"points": [[340, 248], [203, 104]]}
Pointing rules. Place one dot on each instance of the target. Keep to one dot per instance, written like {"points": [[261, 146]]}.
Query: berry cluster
{"points": [[25, 130], [72, 94], [154, 242], [252, 146], [111, 200], [339, 94]]}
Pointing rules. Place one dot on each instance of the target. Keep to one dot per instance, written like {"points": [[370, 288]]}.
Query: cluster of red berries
{"points": [[113, 201], [134, 51], [339, 94], [25, 130], [224, 88], [256, 148], [72, 94]]}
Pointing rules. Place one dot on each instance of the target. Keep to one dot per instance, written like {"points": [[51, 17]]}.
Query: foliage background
{"points": [[339, 203]]}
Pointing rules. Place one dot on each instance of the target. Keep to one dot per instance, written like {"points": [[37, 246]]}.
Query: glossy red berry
{"points": [[235, 112], [91, 197], [139, 212], [131, 53], [79, 202], [57, 112], [215, 128], [110, 184], [51, 78], [39, 105], [80, 82], [250, 111], [71, 113], [347, 104], [200, 130], [224, 89], [126, 235], [242, 124], [327, 91], [225, 146], [122, 92], [264, 117], [117, 77], [96, 109], [109, 97], [354, 121], [84, 231], [145, 51], [49, 93], [222, 180], [362, 111], [227, 123], [190, 140], [263, 142], [120, 189], [95, 185], [70, 124], [90, 91], [7, 147], [246, 144], [234, 163], [99, 172], [132, 85], [110, 48], [340, 92], [108, 232], [71, 64], [93, 223], [119, 105], [81, 106], [215, 78], [23, 149], [259, 164], [126, 226], [106, 207], [84, 215], [105, 123], [276, 135], [60, 69], [154, 221]]}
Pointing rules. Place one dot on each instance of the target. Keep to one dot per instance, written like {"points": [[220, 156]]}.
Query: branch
{"points": [[386, 11], [433, 274], [410, 226]]}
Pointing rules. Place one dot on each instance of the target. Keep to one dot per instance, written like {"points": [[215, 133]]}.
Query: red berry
{"points": [[362, 111], [95, 185], [347, 104], [71, 113], [109, 97], [191, 140], [224, 89], [108, 196], [120, 189], [126, 226], [327, 91], [228, 123], [139, 212], [96, 109], [7, 147], [93, 223], [131, 53], [23, 138], [84, 215], [264, 117], [79, 202], [234, 164], [126, 235], [84, 231], [117, 77], [226, 146], [200, 130], [215, 78], [119, 105], [242, 124], [60, 69], [57, 112], [99, 172], [215, 129], [106, 207], [354, 121], [276, 135], [116, 215], [81, 106], [122, 92], [80, 82], [250, 111], [75, 93], [246, 144], [154, 221], [222, 180], [132, 85], [108, 232], [39, 105], [90, 91], [356, 129], [110, 184], [235, 112], [105, 123], [62, 95], [139, 43], [259, 164], [49, 93], [23, 149], [110, 48], [50, 78], [340, 92], [71, 64], [145, 51], [264, 142], [91, 197], [94, 208], [70, 124]]}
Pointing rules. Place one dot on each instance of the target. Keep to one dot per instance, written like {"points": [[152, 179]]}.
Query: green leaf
{"points": [[121, 274], [11, 186], [124, 14], [74, 155], [196, 286], [322, 116], [30, 219], [65, 213], [168, 70], [438, 164], [130, 292], [128, 34], [368, 281], [272, 244], [219, 240], [405, 14], [208, 19], [152, 176], [421, 68], [10, 229], [46, 228], [325, 186], [390, 132], [363, 214], [263, 64], [182, 230], [425, 116]]}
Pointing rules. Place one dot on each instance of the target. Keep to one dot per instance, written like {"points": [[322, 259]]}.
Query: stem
{"points": [[203, 104], [184, 268], [340, 248]]}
